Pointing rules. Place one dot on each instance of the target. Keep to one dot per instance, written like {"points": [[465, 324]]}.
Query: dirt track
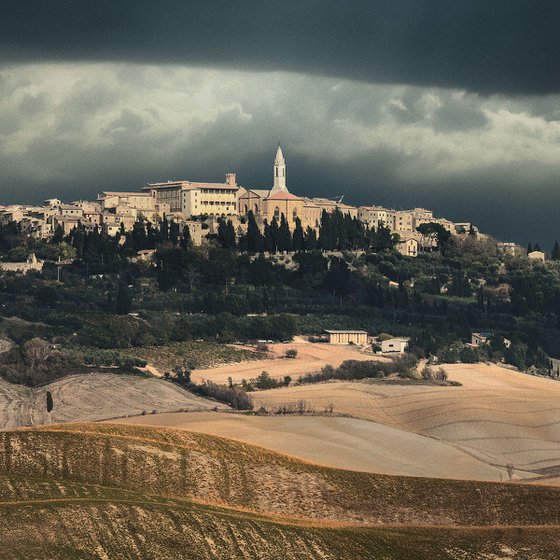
{"points": [[94, 396], [498, 415], [310, 358]]}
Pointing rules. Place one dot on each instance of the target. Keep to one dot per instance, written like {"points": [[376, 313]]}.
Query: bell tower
{"points": [[279, 171]]}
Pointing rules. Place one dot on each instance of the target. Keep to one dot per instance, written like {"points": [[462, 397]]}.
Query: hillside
{"points": [[95, 396], [497, 415], [347, 443], [41, 520], [111, 491], [211, 469], [310, 358]]}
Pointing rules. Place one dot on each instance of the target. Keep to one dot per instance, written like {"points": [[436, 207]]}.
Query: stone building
{"points": [[196, 199], [347, 337], [267, 204]]}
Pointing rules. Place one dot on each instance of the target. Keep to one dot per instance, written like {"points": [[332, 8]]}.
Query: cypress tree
{"points": [[297, 237], [186, 240], [49, 401], [274, 234], [232, 238], [254, 237], [174, 232], [138, 236], [124, 299], [326, 242], [164, 230], [223, 235], [310, 239], [268, 244], [284, 237], [556, 252]]}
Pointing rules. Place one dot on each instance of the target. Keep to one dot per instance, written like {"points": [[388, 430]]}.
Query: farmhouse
{"points": [[397, 345], [481, 338], [347, 337]]}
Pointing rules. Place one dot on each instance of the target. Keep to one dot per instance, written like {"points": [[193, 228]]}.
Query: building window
{"points": [[277, 213]]}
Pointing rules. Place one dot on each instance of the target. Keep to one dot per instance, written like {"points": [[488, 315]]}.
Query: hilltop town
{"points": [[201, 206]]}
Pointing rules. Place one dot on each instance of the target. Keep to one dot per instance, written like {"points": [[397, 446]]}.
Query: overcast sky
{"points": [[452, 105]]}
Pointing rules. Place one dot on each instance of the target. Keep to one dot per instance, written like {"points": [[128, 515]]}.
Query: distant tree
{"points": [[297, 237], [58, 235], [186, 240], [556, 252], [139, 237], [516, 355], [49, 401], [427, 373], [435, 231], [182, 374], [254, 237], [274, 234], [124, 299], [326, 239], [469, 355], [310, 239], [226, 234], [268, 244], [284, 236], [529, 248], [222, 234], [231, 235], [163, 230], [291, 353], [174, 232], [337, 278]]}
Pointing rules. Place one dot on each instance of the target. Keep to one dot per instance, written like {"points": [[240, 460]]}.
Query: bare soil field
{"points": [[95, 396], [346, 443], [311, 357], [497, 415]]}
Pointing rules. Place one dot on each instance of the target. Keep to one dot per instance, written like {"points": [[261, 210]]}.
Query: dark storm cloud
{"points": [[481, 45]]}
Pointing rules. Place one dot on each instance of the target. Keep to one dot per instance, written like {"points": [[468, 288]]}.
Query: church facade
{"points": [[267, 204]]}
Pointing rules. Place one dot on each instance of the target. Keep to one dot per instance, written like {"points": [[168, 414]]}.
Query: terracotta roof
{"points": [[261, 193], [282, 195], [123, 193]]}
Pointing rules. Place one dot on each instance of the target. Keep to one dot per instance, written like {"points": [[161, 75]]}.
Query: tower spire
{"points": [[279, 171]]}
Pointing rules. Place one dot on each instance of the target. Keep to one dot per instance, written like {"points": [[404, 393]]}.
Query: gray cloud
{"points": [[487, 46]]}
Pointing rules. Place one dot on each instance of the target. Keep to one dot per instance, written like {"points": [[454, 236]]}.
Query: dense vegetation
{"points": [[357, 369], [108, 299]]}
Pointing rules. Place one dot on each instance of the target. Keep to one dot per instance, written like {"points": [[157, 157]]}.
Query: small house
{"points": [[481, 338], [397, 345]]}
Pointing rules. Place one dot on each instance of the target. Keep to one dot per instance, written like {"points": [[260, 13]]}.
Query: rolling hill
{"points": [[497, 415], [118, 491], [94, 396]]}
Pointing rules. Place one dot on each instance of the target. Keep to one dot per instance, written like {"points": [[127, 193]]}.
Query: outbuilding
{"points": [[397, 345], [347, 337]]}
